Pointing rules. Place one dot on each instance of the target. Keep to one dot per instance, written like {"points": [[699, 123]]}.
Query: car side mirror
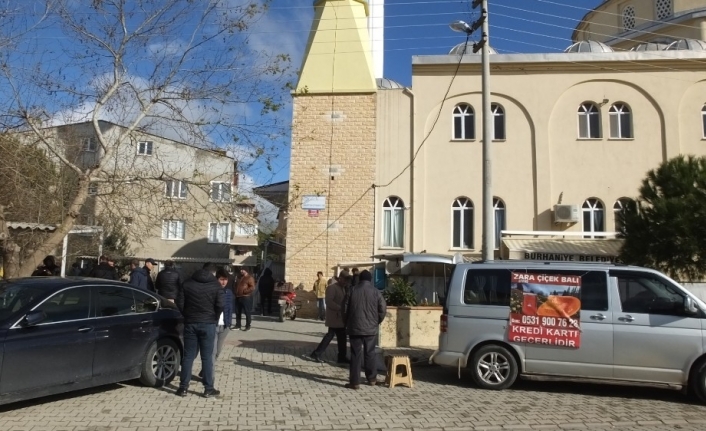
{"points": [[33, 318], [690, 306]]}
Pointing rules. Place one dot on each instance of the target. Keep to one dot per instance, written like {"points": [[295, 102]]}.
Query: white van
{"points": [[594, 322]]}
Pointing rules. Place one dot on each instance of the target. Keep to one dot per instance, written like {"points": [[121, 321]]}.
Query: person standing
{"points": [[320, 291], [364, 311], [138, 276], [356, 277], [104, 270], [48, 269], [225, 319], [266, 286], [169, 281], [335, 296], [149, 266], [201, 301], [243, 299]]}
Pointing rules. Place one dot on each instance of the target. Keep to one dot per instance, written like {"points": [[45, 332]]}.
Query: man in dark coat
{"points": [[168, 281], [138, 276], [49, 269], [266, 286], [364, 310], [201, 301], [104, 270], [335, 295]]}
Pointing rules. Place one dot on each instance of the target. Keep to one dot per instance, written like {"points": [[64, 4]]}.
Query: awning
{"points": [[422, 258], [563, 250]]}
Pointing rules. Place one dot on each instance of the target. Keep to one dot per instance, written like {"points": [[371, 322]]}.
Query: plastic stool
{"points": [[393, 377]]}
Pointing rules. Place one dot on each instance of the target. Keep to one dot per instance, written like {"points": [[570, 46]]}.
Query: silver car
{"points": [[634, 326]]}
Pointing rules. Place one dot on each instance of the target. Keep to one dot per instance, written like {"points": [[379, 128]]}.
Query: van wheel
{"points": [[494, 367], [697, 381]]}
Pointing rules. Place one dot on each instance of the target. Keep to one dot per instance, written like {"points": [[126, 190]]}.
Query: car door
{"points": [[122, 334], [655, 338], [594, 357], [56, 352]]}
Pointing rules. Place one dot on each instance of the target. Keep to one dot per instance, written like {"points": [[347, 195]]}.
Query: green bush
{"points": [[399, 293]]}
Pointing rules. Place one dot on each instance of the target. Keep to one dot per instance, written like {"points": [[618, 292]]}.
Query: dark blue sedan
{"points": [[64, 334]]}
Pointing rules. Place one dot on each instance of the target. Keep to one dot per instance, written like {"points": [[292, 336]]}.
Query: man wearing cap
{"points": [[140, 277]]}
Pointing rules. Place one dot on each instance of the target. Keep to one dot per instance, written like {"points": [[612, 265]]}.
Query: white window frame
{"points": [[170, 226], [498, 205], [220, 193], [182, 189], [703, 122], [464, 204], [616, 112], [585, 111], [592, 206], [618, 207], [499, 112], [245, 229], [89, 144], [217, 226], [145, 148], [393, 205], [463, 110]]}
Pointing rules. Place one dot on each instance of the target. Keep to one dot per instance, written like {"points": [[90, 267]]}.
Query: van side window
{"points": [[649, 294], [487, 287], [594, 291]]}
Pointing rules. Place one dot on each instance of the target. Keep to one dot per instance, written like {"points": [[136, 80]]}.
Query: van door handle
{"points": [[627, 318], [598, 316]]}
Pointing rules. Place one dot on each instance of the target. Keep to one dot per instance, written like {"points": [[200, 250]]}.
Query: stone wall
{"points": [[332, 155], [411, 327]]}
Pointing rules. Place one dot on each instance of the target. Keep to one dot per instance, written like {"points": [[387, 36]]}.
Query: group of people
{"points": [[353, 308]]}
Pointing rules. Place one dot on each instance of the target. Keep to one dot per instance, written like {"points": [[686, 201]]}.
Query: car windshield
{"points": [[15, 296]]}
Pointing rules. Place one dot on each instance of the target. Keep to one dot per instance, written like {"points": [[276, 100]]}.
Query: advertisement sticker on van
{"points": [[544, 309]]}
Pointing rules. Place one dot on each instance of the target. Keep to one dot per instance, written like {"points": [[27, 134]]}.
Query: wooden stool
{"points": [[393, 377]]}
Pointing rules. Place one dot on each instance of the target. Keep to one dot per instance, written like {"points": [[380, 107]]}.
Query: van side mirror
{"points": [[33, 318], [690, 306]]}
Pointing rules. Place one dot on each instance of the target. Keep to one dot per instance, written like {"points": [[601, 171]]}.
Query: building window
{"points": [[663, 8], [92, 189], [593, 217], [89, 144], [500, 222], [219, 233], [144, 148], [393, 222], [464, 125], [220, 191], [589, 121], [462, 217], [498, 122], [629, 18], [703, 121], [244, 229], [175, 189], [620, 121], [173, 229], [619, 207]]}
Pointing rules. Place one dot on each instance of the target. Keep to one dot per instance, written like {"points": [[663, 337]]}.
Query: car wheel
{"points": [[494, 367], [697, 381], [161, 363]]}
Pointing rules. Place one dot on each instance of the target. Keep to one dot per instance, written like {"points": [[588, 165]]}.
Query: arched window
{"points": [[464, 123], [663, 9], [628, 18], [589, 121], [620, 121], [500, 223], [498, 122], [393, 222], [703, 121], [593, 217], [462, 217], [618, 207]]}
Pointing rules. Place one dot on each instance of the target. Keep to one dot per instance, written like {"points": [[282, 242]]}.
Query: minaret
{"points": [[376, 28]]}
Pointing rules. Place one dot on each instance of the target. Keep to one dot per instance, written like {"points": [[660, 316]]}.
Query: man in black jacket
{"points": [[364, 311], [104, 270], [200, 300], [168, 281]]}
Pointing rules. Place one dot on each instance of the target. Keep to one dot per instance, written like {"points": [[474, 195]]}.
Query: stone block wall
{"points": [[332, 155]]}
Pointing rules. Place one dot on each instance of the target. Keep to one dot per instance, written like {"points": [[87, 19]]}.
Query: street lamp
{"points": [[488, 248]]}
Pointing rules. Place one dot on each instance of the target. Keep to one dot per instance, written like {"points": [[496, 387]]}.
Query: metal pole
{"points": [[64, 252], [487, 246]]}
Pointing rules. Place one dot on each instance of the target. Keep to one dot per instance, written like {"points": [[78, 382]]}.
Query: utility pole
{"points": [[488, 248]]}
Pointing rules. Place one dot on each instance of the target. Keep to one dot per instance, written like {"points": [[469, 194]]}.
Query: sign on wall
{"points": [[565, 257], [313, 202], [544, 309]]}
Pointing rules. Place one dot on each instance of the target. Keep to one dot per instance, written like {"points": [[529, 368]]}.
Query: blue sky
{"points": [[420, 27]]}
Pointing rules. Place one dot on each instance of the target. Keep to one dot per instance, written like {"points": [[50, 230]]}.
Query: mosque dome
{"points": [[467, 49], [387, 84], [687, 44], [589, 46], [651, 46]]}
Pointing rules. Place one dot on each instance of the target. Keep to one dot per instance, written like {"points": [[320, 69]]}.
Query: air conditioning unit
{"points": [[566, 213]]}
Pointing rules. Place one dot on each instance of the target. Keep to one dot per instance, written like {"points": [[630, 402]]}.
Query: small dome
{"points": [[650, 46], [467, 49], [687, 44], [387, 84], [589, 46]]}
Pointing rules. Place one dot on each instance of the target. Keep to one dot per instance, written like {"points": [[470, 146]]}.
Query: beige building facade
{"points": [[574, 135]]}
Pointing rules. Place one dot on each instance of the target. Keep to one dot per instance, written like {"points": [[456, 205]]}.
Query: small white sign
{"points": [[313, 202]]}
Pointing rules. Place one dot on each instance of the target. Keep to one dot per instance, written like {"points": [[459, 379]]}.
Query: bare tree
{"points": [[179, 69]]}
